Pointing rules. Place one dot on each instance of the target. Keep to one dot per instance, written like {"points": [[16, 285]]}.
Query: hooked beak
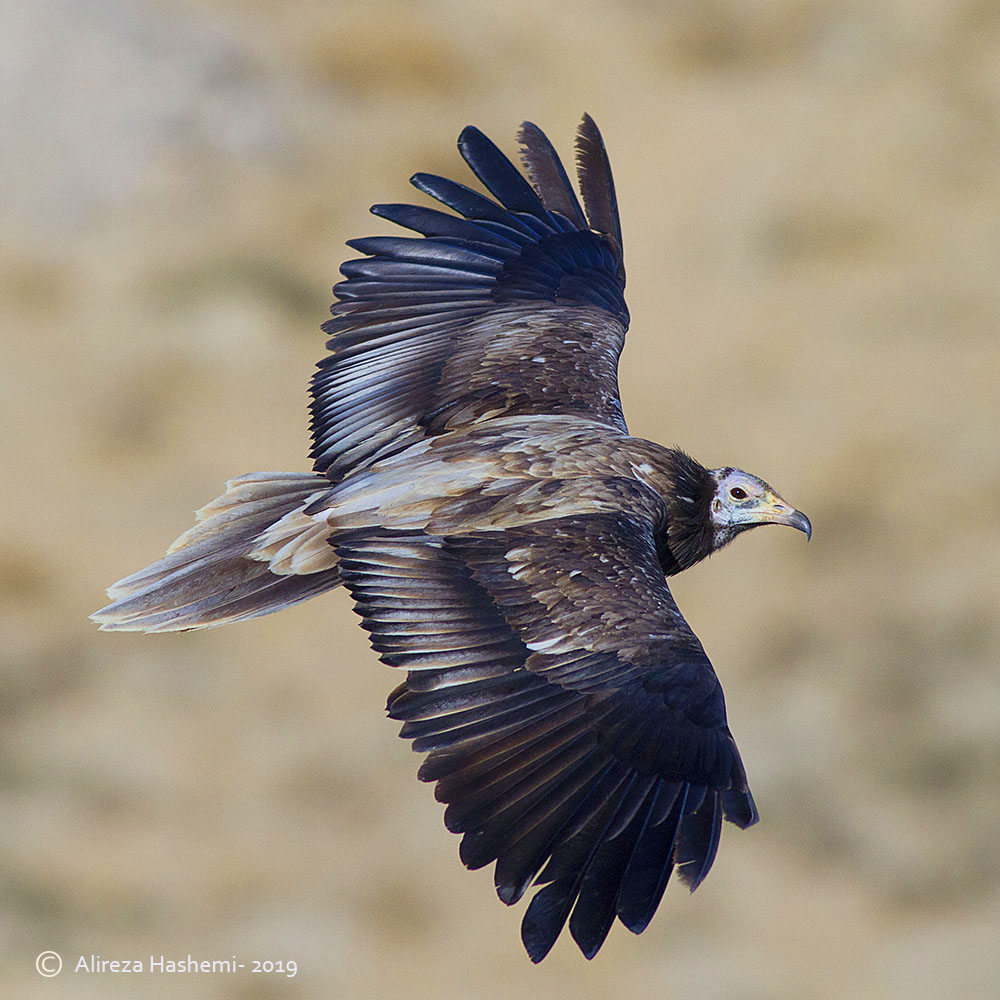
{"points": [[774, 510]]}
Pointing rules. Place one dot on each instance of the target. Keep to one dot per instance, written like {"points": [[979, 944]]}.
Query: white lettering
{"points": [[94, 963]]}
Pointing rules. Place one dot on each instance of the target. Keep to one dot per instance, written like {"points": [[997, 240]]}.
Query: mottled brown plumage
{"points": [[505, 541]]}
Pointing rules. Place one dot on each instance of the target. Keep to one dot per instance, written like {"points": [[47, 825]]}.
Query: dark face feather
{"points": [[690, 532]]}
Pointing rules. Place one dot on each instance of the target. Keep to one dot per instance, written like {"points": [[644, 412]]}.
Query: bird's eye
{"points": [[738, 493]]}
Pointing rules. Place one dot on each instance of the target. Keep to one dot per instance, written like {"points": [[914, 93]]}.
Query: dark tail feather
{"points": [[251, 552]]}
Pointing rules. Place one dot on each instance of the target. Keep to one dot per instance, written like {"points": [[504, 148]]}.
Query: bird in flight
{"points": [[505, 541]]}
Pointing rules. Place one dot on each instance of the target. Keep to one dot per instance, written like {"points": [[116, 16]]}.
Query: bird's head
{"points": [[741, 501]]}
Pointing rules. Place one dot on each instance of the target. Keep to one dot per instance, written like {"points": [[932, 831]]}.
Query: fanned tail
{"points": [[251, 552]]}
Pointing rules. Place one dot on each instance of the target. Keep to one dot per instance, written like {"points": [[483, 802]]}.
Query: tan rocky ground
{"points": [[811, 198]]}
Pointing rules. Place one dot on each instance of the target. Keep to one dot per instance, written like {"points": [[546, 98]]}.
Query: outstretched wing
{"points": [[514, 305], [572, 720]]}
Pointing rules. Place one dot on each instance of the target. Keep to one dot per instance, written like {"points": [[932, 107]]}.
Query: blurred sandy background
{"points": [[811, 197]]}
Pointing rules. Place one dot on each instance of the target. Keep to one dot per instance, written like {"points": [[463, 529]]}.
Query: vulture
{"points": [[505, 541]]}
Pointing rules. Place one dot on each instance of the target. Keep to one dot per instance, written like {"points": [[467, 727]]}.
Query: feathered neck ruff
{"points": [[690, 531]]}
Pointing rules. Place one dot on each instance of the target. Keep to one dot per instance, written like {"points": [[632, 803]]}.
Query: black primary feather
{"points": [[597, 185], [548, 175]]}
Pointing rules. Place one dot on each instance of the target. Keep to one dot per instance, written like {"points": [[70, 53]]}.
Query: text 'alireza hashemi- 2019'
{"points": [[505, 541]]}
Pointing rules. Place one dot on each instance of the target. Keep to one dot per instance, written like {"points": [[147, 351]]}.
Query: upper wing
{"points": [[514, 305], [571, 716]]}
